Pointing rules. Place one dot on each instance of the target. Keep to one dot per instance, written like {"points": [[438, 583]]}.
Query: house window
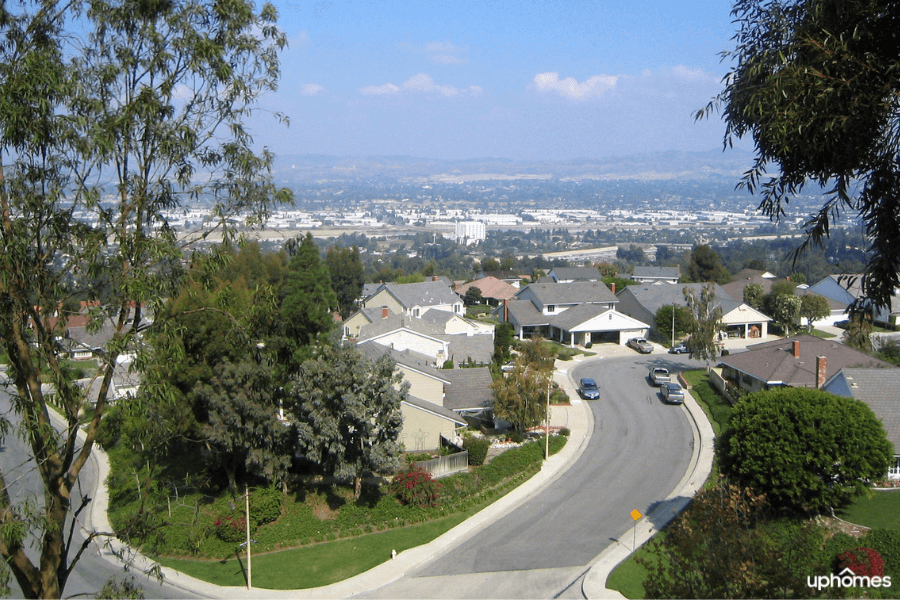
{"points": [[551, 308], [415, 312]]}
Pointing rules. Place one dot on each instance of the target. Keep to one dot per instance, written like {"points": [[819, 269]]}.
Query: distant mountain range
{"points": [[672, 165]]}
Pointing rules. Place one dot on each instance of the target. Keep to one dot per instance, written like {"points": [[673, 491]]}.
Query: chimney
{"points": [[612, 287], [820, 372], [385, 313], [796, 347], [434, 277], [505, 310]]}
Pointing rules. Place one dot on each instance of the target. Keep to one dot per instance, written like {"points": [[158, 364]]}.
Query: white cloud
{"points": [[444, 47], [570, 88], [380, 90], [422, 84], [311, 89]]}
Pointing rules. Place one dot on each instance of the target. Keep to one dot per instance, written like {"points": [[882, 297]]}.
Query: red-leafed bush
{"points": [[415, 487], [864, 562], [231, 530]]}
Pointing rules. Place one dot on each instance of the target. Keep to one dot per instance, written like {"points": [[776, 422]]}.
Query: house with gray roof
{"points": [[880, 390], [573, 274], [642, 302], [575, 313], [798, 361], [656, 274], [847, 288], [415, 299], [437, 399]]}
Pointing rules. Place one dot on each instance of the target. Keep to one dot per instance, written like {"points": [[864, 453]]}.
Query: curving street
{"points": [[639, 451]]}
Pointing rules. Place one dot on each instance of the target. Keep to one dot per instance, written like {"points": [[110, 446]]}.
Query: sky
{"points": [[524, 80]]}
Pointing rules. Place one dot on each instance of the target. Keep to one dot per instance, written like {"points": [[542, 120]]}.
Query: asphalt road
{"points": [[637, 455], [92, 571]]}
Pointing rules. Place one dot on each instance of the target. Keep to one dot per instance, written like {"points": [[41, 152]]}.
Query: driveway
{"points": [[638, 453]]}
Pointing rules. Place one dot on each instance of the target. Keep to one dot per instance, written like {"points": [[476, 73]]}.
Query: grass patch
{"points": [[822, 334], [879, 510], [628, 578], [317, 565], [323, 530], [717, 409]]}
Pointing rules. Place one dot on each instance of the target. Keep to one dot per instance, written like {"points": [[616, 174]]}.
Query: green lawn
{"points": [[879, 510], [319, 564]]}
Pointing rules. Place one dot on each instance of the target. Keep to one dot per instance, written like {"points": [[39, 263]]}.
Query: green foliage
{"points": [[807, 450], [121, 588], [813, 83], [706, 322], [478, 450], [346, 269], [265, 505], [243, 429], [889, 351], [786, 310], [414, 486], [859, 332], [753, 295], [887, 543], [721, 547], [309, 302], [706, 267], [346, 411], [683, 321], [473, 296], [813, 307]]}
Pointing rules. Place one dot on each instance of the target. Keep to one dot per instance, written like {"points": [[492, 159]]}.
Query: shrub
{"points": [[516, 437], [565, 432], [230, 529], [265, 505], [415, 486], [864, 562], [478, 450]]}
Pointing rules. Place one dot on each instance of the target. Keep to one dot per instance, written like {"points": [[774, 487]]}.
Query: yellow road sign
{"points": [[636, 514]]}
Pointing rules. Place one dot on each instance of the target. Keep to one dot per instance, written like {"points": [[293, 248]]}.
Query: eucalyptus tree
{"points": [[114, 114], [706, 322]]}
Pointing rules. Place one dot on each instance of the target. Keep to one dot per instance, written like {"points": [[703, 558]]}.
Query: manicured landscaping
{"points": [[321, 531], [879, 510]]}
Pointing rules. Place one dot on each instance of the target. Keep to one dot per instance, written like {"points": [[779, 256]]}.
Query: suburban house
{"points": [[494, 292], [878, 388], [656, 274], [571, 313], [513, 278], [642, 302], [437, 399], [438, 335], [845, 289], [415, 299], [743, 278], [573, 274], [798, 361]]}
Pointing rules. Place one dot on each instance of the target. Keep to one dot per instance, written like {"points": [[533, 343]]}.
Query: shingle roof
{"points": [[414, 360], [469, 389], [480, 348], [774, 361], [426, 293], [525, 313], [490, 287], [435, 408], [576, 273], [655, 296], [656, 272], [577, 292], [880, 390]]}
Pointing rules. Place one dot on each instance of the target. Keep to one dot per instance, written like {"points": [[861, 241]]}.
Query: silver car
{"points": [[672, 392]]}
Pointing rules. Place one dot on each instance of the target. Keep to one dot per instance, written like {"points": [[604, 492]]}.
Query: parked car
{"points": [[659, 376], [679, 349], [672, 392], [589, 389], [641, 345]]}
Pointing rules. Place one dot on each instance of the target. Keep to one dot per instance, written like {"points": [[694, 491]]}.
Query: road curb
{"points": [[702, 455]]}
